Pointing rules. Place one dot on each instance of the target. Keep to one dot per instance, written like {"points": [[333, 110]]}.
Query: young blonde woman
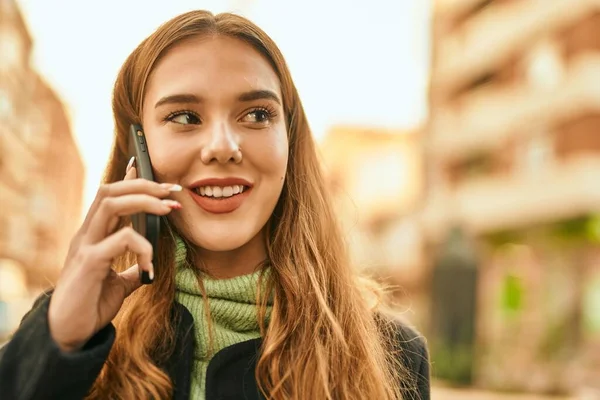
{"points": [[253, 296]]}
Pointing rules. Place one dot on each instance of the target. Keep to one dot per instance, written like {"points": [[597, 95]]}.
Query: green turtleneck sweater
{"points": [[233, 312]]}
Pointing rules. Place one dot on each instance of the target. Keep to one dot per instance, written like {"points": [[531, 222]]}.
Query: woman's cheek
{"points": [[271, 154], [170, 161]]}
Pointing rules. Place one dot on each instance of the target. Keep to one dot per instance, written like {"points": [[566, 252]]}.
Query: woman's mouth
{"points": [[220, 199], [220, 192]]}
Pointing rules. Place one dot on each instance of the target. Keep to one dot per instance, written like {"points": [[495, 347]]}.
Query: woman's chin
{"points": [[220, 243], [226, 236]]}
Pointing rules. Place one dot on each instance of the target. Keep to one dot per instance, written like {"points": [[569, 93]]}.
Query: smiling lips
{"points": [[220, 196]]}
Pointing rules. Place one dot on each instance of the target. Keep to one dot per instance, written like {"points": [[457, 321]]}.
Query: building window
{"points": [[474, 166], [12, 280], [34, 130], [21, 241], [41, 205], [480, 6], [6, 106], [536, 153], [11, 48], [544, 67]]}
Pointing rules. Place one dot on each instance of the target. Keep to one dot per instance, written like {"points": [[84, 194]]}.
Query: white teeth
{"points": [[227, 191], [218, 191]]}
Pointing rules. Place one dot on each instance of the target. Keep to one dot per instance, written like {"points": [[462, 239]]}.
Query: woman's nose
{"points": [[222, 146]]}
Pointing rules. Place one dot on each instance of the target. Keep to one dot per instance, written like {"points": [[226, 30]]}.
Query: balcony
{"points": [[561, 191], [488, 119], [497, 33]]}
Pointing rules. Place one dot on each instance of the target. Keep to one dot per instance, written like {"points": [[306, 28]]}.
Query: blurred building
{"points": [[376, 178], [41, 174], [513, 157]]}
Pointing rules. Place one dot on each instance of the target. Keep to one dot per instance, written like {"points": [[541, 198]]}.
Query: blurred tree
{"points": [[453, 309]]}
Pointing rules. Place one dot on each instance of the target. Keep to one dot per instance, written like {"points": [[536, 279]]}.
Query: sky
{"points": [[353, 62]]}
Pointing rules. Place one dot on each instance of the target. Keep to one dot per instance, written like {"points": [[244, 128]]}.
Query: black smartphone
{"points": [[147, 225]]}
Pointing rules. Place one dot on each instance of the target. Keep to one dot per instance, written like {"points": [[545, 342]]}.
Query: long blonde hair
{"points": [[322, 341]]}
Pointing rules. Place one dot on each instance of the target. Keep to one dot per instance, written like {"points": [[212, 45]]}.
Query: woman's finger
{"points": [[111, 209], [131, 279], [125, 239], [129, 186], [102, 192], [130, 174]]}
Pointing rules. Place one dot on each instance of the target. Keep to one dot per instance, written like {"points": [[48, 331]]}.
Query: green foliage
{"points": [[452, 363], [572, 231], [512, 294]]}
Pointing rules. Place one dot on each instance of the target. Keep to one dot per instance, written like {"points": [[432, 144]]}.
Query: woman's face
{"points": [[214, 123]]}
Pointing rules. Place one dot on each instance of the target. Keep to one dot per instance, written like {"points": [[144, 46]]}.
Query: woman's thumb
{"points": [[131, 279]]}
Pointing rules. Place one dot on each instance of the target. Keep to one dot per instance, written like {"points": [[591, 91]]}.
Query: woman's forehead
{"points": [[216, 66]]}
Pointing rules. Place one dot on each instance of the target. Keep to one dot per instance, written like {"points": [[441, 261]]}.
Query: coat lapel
{"points": [[179, 366], [230, 373]]}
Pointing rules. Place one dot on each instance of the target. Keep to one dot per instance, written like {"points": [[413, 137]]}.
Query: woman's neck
{"points": [[232, 263]]}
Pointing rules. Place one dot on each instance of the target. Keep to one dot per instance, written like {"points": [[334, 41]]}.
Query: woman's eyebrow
{"points": [[259, 95], [183, 98], [188, 98]]}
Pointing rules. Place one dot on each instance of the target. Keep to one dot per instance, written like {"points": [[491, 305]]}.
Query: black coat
{"points": [[33, 367]]}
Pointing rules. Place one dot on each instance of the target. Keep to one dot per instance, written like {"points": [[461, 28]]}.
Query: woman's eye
{"points": [[257, 116], [185, 118]]}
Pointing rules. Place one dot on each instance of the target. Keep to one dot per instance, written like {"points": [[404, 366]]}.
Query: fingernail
{"points": [[172, 204], [151, 272], [129, 164], [171, 187]]}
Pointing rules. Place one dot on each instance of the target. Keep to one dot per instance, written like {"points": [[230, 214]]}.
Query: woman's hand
{"points": [[89, 293]]}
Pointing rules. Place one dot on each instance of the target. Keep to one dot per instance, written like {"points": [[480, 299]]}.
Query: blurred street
{"points": [[442, 393]]}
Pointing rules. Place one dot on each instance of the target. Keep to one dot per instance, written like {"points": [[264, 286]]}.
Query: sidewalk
{"points": [[442, 393]]}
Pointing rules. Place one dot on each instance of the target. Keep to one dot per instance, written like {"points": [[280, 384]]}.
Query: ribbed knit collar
{"points": [[232, 306]]}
